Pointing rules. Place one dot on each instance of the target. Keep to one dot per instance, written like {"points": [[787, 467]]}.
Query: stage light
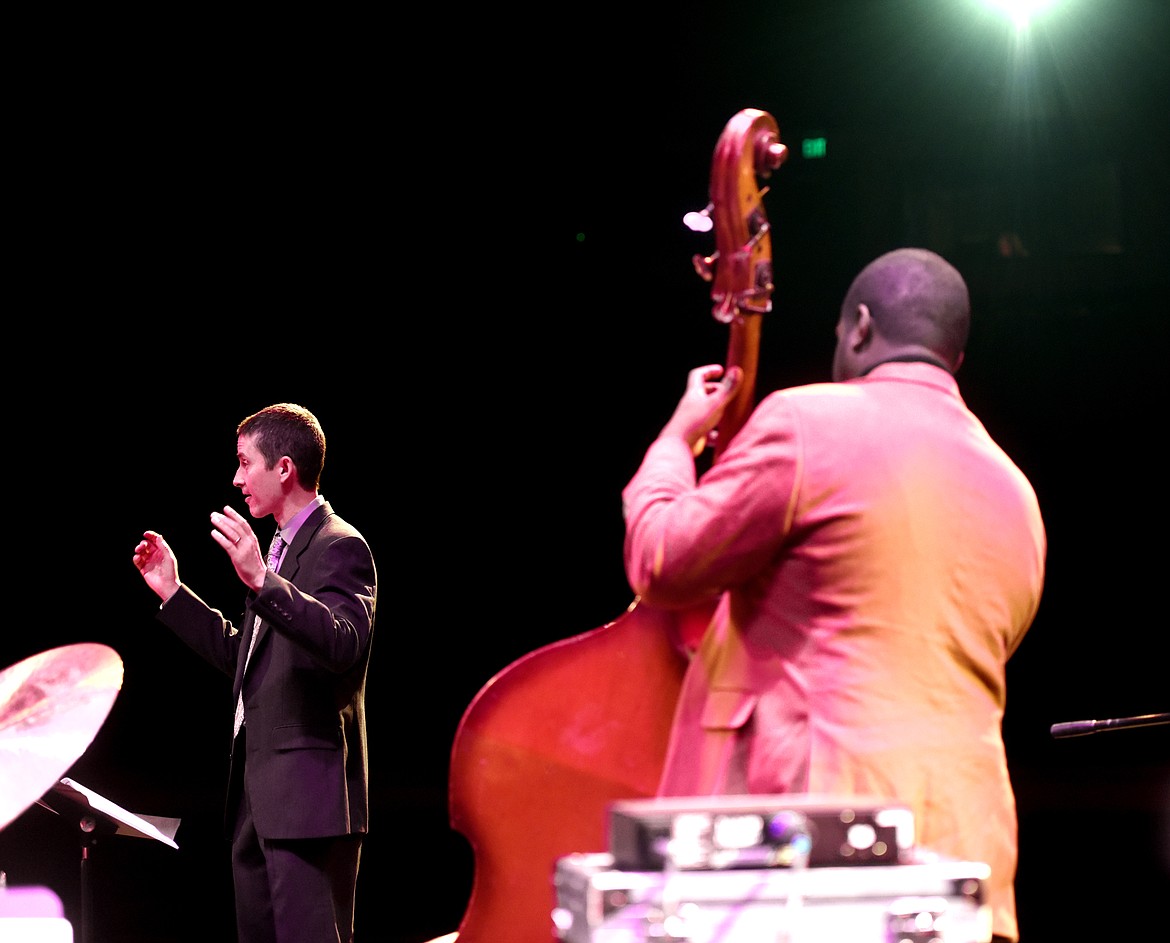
{"points": [[1021, 11]]}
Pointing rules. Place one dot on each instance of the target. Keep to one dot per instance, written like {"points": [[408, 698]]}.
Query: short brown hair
{"points": [[288, 429]]}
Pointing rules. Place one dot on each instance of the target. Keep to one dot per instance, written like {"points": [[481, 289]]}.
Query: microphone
{"points": [[1079, 728], [1076, 728]]}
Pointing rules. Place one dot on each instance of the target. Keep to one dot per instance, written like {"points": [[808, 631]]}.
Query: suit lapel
{"points": [[291, 564]]}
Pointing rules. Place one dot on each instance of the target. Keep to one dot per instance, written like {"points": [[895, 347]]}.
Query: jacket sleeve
{"points": [[330, 613], [688, 540], [204, 629]]}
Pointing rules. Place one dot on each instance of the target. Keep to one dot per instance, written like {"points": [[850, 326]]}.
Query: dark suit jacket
{"points": [[304, 690]]}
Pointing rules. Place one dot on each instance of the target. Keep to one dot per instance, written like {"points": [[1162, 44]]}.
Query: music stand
{"points": [[100, 817]]}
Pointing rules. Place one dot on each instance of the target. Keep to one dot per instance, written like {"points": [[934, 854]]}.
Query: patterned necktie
{"points": [[274, 551]]}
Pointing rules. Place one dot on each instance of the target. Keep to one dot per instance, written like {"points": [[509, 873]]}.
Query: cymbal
{"points": [[51, 707]]}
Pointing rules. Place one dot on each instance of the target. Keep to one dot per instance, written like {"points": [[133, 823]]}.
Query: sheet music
{"points": [[140, 826]]}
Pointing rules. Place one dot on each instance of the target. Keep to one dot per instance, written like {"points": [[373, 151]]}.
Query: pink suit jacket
{"points": [[878, 558]]}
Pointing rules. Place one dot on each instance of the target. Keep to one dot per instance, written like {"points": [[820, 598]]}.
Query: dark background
{"points": [[459, 242]]}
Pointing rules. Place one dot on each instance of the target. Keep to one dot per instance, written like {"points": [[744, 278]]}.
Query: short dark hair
{"points": [[916, 297], [288, 429]]}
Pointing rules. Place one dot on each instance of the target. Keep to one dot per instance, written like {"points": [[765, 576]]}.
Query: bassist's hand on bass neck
{"points": [[709, 389]]}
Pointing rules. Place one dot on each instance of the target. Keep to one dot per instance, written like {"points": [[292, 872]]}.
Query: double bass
{"points": [[555, 737]]}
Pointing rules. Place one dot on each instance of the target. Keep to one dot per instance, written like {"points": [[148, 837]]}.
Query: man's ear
{"points": [[862, 331]]}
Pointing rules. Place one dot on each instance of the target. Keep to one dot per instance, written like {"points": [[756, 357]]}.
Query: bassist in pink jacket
{"points": [[877, 558]]}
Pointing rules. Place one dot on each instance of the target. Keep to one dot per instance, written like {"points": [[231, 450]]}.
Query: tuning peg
{"points": [[774, 154], [700, 221], [705, 265]]}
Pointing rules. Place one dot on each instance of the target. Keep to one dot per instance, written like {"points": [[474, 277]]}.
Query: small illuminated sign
{"points": [[812, 148]]}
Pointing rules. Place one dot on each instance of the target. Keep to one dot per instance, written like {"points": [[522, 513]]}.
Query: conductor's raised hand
{"points": [[232, 532], [702, 405], [156, 562]]}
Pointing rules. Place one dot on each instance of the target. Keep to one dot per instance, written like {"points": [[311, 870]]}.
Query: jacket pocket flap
{"points": [[306, 737], [728, 709]]}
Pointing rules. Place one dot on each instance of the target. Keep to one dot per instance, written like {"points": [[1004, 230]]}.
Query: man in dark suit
{"points": [[298, 795]]}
